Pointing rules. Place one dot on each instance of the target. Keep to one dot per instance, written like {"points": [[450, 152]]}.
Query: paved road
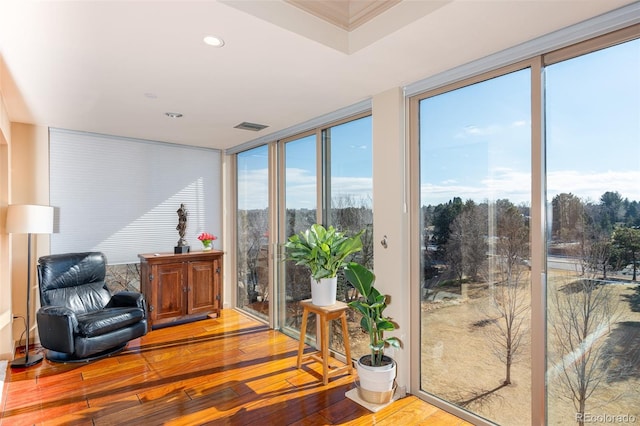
{"points": [[571, 264]]}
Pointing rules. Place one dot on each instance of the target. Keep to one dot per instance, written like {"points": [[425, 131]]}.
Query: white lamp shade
{"points": [[29, 219]]}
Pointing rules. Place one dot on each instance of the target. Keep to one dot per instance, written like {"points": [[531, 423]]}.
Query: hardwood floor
{"points": [[231, 370]]}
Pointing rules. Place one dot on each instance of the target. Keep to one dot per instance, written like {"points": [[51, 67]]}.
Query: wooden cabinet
{"points": [[181, 287]]}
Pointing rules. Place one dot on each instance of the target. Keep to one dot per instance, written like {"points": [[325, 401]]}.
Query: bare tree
{"points": [[466, 248], [351, 214], [596, 250], [474, 250], [453, 253], [509, 307], [582, 314], [509, 331], [567, 217], [252, 238]]}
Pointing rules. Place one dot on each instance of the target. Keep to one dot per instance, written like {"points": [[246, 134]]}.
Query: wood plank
{"points": [[227, 370], [414, 413]]}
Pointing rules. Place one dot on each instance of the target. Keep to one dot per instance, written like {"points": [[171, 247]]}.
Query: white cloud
{"points": [[254, 189], [516, 186], [593, 185], [503, 183], [471, 131]]}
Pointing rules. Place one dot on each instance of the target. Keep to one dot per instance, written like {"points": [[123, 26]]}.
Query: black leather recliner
{"points": [[79, 319]]}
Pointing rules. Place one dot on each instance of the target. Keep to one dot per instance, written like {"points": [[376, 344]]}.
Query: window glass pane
{"points": [[593, 191], [301, 194], [351, 209], [253, 231], [475, 195]]}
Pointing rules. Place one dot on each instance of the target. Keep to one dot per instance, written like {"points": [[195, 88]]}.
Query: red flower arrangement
{"points": [[206, 239]]}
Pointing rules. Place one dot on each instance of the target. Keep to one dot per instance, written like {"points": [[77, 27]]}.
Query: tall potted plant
{"points": [[324, 251], [376, 371]]}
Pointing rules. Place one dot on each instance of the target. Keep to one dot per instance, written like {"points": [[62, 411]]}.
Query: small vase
{"points": [[206, 245]]}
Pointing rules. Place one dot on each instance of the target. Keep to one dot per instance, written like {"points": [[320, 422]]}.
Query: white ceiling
{"points": [[116, 67]]}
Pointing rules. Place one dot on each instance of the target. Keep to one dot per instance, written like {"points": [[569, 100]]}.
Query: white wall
{"points": [[6, 337], [390, 218], [29, 177]]}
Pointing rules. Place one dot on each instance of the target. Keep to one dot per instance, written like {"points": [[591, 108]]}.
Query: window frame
{"points": [[277, 207], [538, 209]]}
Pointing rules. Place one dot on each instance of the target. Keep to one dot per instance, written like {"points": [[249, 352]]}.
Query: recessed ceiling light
{"points": [[214, 41], [173, 114]]}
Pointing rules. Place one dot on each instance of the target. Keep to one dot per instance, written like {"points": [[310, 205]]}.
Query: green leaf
{"points": [[371, 304], [323, 250], [364, 323], [393, 341], [385, 325], [360, 277]]}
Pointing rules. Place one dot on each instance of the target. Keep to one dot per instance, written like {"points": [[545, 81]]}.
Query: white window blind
{"points": [[121, 196]]}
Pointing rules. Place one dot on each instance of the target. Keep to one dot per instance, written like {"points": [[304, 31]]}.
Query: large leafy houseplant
{"points": [[323, 250], [371, 305]]}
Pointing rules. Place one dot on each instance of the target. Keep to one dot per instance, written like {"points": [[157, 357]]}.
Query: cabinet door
{"points": [[168, 300], [202, 297]]}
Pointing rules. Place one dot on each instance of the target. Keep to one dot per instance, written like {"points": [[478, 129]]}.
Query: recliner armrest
{"points": [[56, 328], [126, 299]]}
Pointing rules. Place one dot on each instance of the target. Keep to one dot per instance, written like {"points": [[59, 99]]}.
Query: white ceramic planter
{"points": [[376, 383], [323, 292]]}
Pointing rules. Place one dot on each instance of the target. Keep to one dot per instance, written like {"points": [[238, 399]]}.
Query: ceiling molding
{"points": [[373, 20], [345, 14]]}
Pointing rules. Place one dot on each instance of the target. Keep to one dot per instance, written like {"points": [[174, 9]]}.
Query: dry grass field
{"points": [[459, 365]]}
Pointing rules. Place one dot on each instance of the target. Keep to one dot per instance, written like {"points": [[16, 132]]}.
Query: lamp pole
{"points": [[28, 219], [26, 360]]}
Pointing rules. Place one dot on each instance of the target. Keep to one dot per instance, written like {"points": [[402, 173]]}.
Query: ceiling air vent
{"points": [[250, 126]]}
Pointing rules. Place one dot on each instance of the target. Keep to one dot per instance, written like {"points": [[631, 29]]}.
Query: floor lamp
{"points": [[28, 219]]}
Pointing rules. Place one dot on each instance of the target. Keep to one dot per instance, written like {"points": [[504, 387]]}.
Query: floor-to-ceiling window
{"points": [[330, 167], [475, 144], [574, 115], [300, 211], [320, 176], [349, 205], [593, 236], [252, 231]]}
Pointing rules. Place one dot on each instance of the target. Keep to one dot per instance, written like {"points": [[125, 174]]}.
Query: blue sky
{"points": [[300, 175], [253, 187], [351, 168], [351, 165], [593, 123], [476, 141]]}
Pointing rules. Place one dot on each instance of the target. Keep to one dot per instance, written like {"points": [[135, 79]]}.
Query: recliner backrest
{"points": [[74, 280]]}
